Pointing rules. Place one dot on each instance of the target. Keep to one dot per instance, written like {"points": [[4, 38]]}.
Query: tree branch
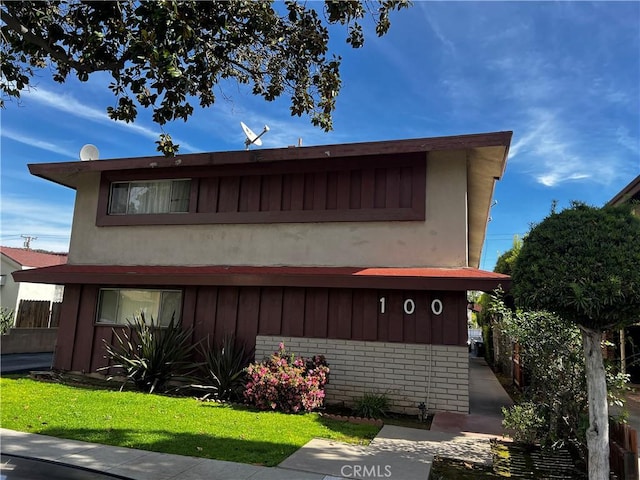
{"points": [[15, 25]]}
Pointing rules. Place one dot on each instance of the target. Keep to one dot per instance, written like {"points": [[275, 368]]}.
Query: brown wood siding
{"points": [[340, 313], [67, 328], [344, 190], [85, 339]]}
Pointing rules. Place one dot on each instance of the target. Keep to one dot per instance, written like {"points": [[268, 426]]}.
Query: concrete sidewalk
{"points": [[136, 464], [397, 453]]}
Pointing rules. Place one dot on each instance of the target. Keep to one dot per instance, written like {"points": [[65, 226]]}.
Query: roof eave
{"points": [[270, 277], [65, 173], [632, 189]]}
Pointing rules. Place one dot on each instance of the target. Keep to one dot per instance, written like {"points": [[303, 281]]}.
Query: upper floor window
{"points": [[156, 196], [122, 305]]}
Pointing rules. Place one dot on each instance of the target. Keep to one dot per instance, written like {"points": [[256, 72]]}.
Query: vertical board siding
{"points": [[406, 187], [349, 189], [227, 312], [270, 315], [293, 305], [248, 315], [67, 328], [299, 192], [208, 195], [370, 314], [333, 313], [85, 339], [99, 359], [380, 188], [206, 312], [316, 313], [229, 194], [250, 194], [360, 189]]}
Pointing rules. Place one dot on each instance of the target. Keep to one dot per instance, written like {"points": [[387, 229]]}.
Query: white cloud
{"points": [[437, 31], [553, 154], [68, 104], [37, 143], [628, 141]]}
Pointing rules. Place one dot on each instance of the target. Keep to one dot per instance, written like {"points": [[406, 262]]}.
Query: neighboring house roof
{"points": [[630, 192], [31, 258], [337, 277], [486, 155]]}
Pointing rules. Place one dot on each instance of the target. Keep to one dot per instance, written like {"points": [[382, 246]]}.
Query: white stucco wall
{"points": [[8, 291], [439, 241]]}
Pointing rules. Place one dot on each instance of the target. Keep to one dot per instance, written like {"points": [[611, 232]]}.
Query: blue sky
{"points": [[563, 76]]}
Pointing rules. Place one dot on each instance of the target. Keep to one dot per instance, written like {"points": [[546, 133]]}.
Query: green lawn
{"points": [[179, 425]]}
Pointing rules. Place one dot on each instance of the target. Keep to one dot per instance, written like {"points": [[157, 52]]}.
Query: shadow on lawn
{"points": [[368, 432], [195, 445]]}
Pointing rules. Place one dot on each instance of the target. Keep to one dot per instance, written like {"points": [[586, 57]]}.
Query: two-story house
{"points": [[361, 252]]}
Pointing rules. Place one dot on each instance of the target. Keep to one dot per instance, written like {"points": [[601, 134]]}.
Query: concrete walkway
{"points": [[397, 453], [486, 399]]}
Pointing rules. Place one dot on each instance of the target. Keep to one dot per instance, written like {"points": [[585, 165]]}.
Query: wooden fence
{"points": [[38, 314], [518, 368], [623, 451]]}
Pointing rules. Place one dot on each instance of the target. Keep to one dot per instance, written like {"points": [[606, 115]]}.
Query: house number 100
{"points": [[410, 306]]}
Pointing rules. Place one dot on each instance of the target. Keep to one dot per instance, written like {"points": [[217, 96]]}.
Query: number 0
{"points": [[409, 306], [436, 306]]}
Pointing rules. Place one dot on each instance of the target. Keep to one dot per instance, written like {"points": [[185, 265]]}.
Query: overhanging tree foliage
{"points": [[507, 260], [164, 55], [583, 264]]}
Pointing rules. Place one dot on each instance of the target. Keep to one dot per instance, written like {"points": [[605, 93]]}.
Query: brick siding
{"points": [[407, 373]]}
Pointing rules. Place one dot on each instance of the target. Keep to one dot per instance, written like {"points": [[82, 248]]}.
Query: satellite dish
{"points": [[89, 152], [252, 138]]}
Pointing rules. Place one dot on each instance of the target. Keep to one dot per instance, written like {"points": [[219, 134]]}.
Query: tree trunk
{"points": [[598, 431]]}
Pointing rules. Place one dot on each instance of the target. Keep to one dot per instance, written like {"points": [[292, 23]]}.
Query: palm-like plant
{"points": [[151, 356], [224, 369]]}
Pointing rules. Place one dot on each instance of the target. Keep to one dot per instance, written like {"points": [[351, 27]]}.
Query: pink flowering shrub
{"points": [[287, 383]]}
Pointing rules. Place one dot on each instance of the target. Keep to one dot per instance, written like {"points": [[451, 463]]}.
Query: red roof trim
{"points": [[326, 277]]}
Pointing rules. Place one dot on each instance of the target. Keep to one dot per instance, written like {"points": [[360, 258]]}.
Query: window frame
{"points": [[129, 183], [98, 322]]}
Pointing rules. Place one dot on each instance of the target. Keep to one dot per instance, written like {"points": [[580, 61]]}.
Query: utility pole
{"points": [[27, 241]]}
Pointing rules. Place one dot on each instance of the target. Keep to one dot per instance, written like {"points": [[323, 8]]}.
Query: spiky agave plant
{"points": [[151, 356], [223, 368]]}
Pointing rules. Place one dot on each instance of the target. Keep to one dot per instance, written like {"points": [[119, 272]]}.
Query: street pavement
{"points": [[25, 362]]}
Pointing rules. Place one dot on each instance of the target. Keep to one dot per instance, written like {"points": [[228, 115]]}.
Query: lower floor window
{"points": [[122, 305]]}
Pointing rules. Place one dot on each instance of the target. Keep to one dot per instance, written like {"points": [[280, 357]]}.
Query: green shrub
{"points": [[372, 405], [526, 422], [6, 320], [224, 369], [151, 356]]}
